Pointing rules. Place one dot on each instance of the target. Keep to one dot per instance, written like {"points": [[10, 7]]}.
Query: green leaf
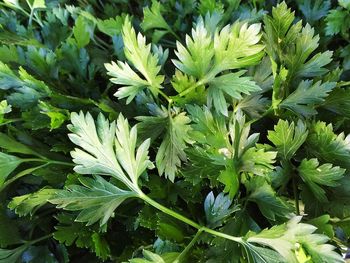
{"points": [[233, 47], [123, 75], [314, 10], [270, 205], [208, 128], [168, 228], [38, 4], [262, 255], [338, 101], [289, 237], [57, 116], [12, 255], [292, 46], [70, 232], [306, 96], [229, 178], [4, 108], [327, 146], [8, 163], [172, 149], [282, 18], [140, 56], [29, 203], [217, 209], [323, 224], [299, 64], [287, 138], [152, 18], [258, 161], [108, 149], [101, 247], [231, 84], [9, 230], [26, 89], [8, 53], [195, 59], [336, 22], [111, 26], [315, 176], [80, 32], [96, 199], [13, 146], [344, 3], [152, 126]]}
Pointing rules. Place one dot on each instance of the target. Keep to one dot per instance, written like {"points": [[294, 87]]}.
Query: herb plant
{"points": [[174, 131]]}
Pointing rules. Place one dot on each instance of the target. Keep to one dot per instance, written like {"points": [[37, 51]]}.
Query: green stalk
{"points": [[343, 83], [48, 161], [183, 254], [39, 239], [21, 174], [187, 220], [169, 211], [296, 196]]}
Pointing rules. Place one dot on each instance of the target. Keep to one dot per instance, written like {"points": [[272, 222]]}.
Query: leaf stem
{"points": [[39, 239], [10, 121], [169, 211], [48, 161], [188, 90], [169, 100], [187, 220], [296, 195], [343, 83], [21, 174], [183, 254]]}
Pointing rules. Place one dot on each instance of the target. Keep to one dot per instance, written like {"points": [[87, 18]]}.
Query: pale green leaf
{"points": [[108, 148], [195, 59], [258, 161], [124, 75], [205, 55], [96, 199], [289, 237], [139, 54], [38, 4], [344, 3]]}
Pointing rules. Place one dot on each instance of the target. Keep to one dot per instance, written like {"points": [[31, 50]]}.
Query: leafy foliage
{"points": [[241, 106]]}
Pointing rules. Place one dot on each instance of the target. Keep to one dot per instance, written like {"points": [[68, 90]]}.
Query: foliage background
{"points": [[52, 63]]}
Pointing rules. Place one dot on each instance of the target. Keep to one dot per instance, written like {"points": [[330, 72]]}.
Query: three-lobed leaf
{"points": [[316, 175], [288, 138]]}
